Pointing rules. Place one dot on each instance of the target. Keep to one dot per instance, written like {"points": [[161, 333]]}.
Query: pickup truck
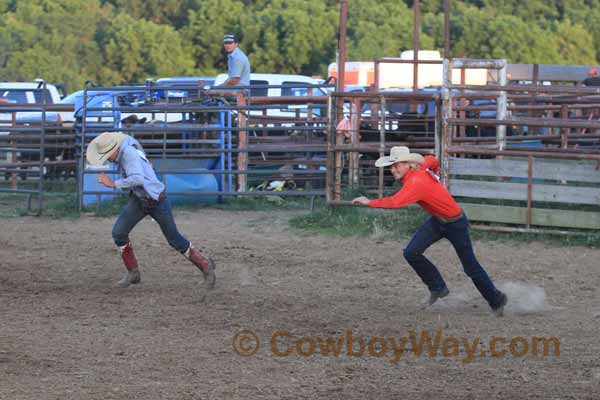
{"points": [[25, 93], [275, 85]]}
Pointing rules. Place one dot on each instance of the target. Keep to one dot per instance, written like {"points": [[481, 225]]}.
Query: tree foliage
{"points": [[289, 36], [134, 50], [204, 33], [126, 41], [53, 39]]}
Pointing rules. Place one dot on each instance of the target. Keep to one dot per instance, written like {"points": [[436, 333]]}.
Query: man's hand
{"points": [[362, 200], [234, 80], [105, 180]]}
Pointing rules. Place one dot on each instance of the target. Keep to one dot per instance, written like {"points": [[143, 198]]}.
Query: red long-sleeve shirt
{"points": [[419, 186]]}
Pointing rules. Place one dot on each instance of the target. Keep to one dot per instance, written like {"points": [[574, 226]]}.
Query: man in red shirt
{"points": [[420, 185]]}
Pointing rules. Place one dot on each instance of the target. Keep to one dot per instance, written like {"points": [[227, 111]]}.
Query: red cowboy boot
{"points": [[204, 264], [132, 276]]}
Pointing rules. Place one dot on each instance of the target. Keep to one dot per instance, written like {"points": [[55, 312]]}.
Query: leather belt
{"points": [[449, 220]]}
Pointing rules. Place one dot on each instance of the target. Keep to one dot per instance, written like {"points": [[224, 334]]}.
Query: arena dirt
{"points": [[68, 333]]}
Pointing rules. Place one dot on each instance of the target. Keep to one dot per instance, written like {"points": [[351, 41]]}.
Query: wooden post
{"points": [[264, 114], [375, 87], [13, 154], [535, 81], [446, 128], [438, 133], [463, 103], [337, 194], [564, 137], [381, 145], [354, 129], [501, 105], [529, 188], [447, 55], [341, 66], [13, 159], [416, 29], [330, 177], [242, 144]]}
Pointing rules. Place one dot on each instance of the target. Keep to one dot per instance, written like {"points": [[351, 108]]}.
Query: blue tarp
{"points": [[527, 143], [174, 182]]}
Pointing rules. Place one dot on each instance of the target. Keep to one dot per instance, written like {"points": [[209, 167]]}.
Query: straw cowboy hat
{"points": [[399, 154], [103, 146]]}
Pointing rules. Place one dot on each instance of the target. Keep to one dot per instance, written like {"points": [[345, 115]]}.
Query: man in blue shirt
{"points": [[146, 197], [238, 66]]}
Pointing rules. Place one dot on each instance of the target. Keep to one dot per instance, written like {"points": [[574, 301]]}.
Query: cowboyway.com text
{"points": [[395, 348]]}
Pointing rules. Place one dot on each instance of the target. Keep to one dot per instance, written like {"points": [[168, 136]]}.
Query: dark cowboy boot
{"points": [[132, 276], [498, 309], [434, 295], [204, 264]]}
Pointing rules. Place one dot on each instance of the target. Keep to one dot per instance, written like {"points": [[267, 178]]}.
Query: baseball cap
{"points": [[229, 38]]}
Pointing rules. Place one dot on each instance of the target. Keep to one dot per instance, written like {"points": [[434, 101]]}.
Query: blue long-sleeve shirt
{"points": [[136, 171]]}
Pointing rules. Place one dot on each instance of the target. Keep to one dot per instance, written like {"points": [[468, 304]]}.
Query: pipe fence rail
{"points": [[35, 151], [540, 168], [524, 156], [223, 143], [518, 157]]}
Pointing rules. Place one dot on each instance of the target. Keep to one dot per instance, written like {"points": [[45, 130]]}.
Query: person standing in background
{"points": [[238, 66]]}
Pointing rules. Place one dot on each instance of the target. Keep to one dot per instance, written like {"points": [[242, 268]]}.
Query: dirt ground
{"points": [[68, 333]]}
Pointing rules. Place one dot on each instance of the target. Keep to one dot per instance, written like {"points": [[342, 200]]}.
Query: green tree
{"points": [[290, 36], [45, 39], [585, 13], [134, 50], [575, 44], [125, 41], [539, 12], [481, 35], [204, 34], [170, 12], [5, 6], [382, 29]]}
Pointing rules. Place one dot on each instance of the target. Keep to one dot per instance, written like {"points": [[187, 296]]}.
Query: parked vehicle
{"points": [[183, 87], [34, 93], [29, 92], [278, 85], [399, 75], [356, 72], [26, 93], [289, 81], [100, 107], [105, 107], [355, 88]]}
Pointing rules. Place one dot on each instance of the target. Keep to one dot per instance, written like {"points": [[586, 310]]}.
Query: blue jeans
{"points": [[135, 211], [458, 234]]}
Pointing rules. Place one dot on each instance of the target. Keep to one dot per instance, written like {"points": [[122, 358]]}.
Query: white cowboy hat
{"points": [[399, 154], [103, 146]]}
